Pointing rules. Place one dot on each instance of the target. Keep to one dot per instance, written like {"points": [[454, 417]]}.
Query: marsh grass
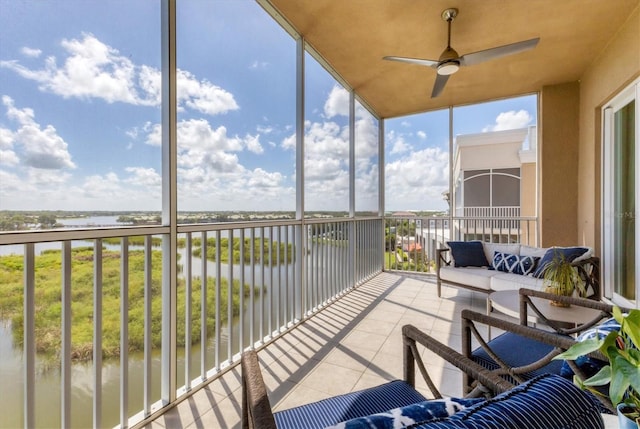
{"points": [[48, 302]]}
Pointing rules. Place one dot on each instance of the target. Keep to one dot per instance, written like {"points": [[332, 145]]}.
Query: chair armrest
{"points": [[557, 343], [256, 409], [527, 304], [441, 260], [589, 271], [412, 336]]}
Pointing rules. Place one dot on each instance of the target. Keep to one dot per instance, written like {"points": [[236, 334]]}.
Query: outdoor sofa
{"points": [[544, 401], [489, 267]]}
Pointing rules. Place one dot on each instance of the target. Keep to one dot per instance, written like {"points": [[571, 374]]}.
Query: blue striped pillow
{"points": [[420, 412]]}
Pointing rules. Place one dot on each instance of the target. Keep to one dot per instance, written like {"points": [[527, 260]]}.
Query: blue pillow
{"points": [[420, 412], [590, 366], [569, 253], [468, 253], [515, 264]]}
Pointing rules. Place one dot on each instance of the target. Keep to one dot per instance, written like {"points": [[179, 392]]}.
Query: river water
{"points": [[48, 381]]}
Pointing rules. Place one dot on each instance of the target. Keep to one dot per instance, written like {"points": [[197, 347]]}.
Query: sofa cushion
{"points": [[468, 253], [491, 248], [532, 251], [510, 347], [318, 415], [508, 281], [545, 402], [478, 277], [569, 253], [515, 264], [402, 417]]}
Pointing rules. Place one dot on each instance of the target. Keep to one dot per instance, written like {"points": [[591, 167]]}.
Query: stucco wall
{"points": [[528, 200], [558, 157], [618, 66]]}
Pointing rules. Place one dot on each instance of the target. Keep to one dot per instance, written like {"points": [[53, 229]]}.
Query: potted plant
{"points": [[622, 373], [562, 278]]}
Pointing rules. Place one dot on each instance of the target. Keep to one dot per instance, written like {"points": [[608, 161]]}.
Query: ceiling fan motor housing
{"points": [[449, 62]]}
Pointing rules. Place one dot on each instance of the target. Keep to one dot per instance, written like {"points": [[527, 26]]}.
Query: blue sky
{"points": [[80, 114]]}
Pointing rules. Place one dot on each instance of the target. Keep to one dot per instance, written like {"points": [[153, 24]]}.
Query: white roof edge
{"points": [[493, 137]]}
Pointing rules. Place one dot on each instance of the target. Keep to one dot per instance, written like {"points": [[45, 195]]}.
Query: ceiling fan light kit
{"points": [[448, 68], [450, 62]]}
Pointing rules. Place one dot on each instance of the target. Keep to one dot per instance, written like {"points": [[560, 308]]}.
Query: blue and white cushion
{"points": [[515, 264], [403, 417], [591, 366]]}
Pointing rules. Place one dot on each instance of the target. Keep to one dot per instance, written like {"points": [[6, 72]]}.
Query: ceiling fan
{"points": [[449, 61]]}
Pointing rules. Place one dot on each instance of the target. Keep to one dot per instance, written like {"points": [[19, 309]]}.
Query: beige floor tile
{"points": [[385, 315], [332, 379], [352, 344], [366, 340], [368, 380], [227, 384], [356, 358], [226, 415], [388, 366], [375, 326], [299, 395]]}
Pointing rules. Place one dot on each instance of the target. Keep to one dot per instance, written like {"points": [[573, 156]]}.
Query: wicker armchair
{"points": [[257, 412], [523, 352], [544, 402]]}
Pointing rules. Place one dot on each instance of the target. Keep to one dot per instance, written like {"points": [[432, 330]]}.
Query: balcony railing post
{"points": [[29, 336], [65, 378]]}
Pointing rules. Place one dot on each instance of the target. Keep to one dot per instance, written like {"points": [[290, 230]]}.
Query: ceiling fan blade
{"points": [[418, 61], [438, 86], [500, 51]]}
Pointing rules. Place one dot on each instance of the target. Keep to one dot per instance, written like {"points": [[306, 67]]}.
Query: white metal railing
{"points": [[261, 279], [490, 212], [411, 242]]}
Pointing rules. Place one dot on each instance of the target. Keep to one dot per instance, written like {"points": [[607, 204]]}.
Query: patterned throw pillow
{"points": [[568, 253], [588, 365], [420, 412], [515, 264]]}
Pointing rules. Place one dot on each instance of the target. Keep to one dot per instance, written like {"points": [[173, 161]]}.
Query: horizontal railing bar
{"points": [[199, 227], [63, 234], [22, 237]]}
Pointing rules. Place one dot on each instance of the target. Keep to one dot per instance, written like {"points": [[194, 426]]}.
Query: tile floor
{"points": [[354, 343]]}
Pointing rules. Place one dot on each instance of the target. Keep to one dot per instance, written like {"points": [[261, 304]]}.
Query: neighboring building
{"points": [[495, 177]]}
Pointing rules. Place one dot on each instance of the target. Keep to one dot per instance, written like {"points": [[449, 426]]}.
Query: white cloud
{"points": [[93, 69], [289, 143], [154, 134], [30, 52], [259, 65], [421, 135], [265, 129], [337, 103], [510, 120], [8, 156], [203, 96], [34, 146], [263, 179], [414, 181], [366, 132], [146, 177], [397, 143], [253, 144]]}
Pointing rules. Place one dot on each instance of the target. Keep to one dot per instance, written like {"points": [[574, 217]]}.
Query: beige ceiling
{"points": [[354, 35]]}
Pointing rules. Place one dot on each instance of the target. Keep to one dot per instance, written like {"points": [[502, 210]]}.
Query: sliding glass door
{"points": [[621, 190]]}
